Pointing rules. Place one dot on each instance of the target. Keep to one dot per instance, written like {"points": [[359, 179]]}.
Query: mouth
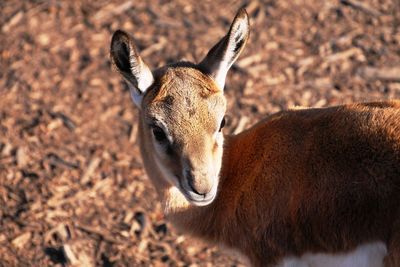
{"points": [[196, 198]]}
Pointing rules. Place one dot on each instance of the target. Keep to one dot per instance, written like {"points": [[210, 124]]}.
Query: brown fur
{"points": [[319, 180], [303, 180]]}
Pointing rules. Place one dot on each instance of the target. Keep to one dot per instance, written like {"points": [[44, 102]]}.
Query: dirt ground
{"points": [[72, 187]]}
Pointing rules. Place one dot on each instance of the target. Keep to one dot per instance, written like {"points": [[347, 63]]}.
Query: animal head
{"points": [[182, 109]]}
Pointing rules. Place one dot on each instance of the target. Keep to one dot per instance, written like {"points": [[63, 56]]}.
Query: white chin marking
{"points": [[203, 203], [366, 255]]}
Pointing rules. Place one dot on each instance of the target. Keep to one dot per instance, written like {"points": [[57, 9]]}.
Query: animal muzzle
{"points": [[199, 182]]}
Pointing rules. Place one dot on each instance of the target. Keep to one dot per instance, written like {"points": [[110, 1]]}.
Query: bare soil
{"points": [[72, 188]]}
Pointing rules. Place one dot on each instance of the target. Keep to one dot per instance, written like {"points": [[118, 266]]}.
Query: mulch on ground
{"points": [[72, 187]]}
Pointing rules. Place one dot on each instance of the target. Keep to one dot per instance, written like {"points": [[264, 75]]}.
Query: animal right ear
{"points": [[126, 60], [221, 57]]}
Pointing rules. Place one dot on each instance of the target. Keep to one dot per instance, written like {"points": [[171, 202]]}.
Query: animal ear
{"points": [[221, 57], [125, 58]]}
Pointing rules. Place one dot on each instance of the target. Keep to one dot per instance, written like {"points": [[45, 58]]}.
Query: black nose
{"points": [[190, 178], [198, 185]]}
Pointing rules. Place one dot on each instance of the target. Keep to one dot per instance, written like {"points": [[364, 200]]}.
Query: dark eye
{"points": [[159, 134], [222, 124]]}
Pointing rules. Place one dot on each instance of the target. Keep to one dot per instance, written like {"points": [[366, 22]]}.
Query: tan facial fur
{"points": [[189, 107]]}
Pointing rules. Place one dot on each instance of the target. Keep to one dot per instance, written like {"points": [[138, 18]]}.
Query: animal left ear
{"points": [[221, 57]]}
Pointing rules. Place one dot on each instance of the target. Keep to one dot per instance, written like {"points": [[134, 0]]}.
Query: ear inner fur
{"points": [[221, 57], [125, 58]]}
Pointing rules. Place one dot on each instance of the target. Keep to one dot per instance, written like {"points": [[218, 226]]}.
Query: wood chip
{"points": [[22, 157], [362, 6], [22, 240], [94, 163], [80, 253], [343, 55], [13, 21], [391, 74]]}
